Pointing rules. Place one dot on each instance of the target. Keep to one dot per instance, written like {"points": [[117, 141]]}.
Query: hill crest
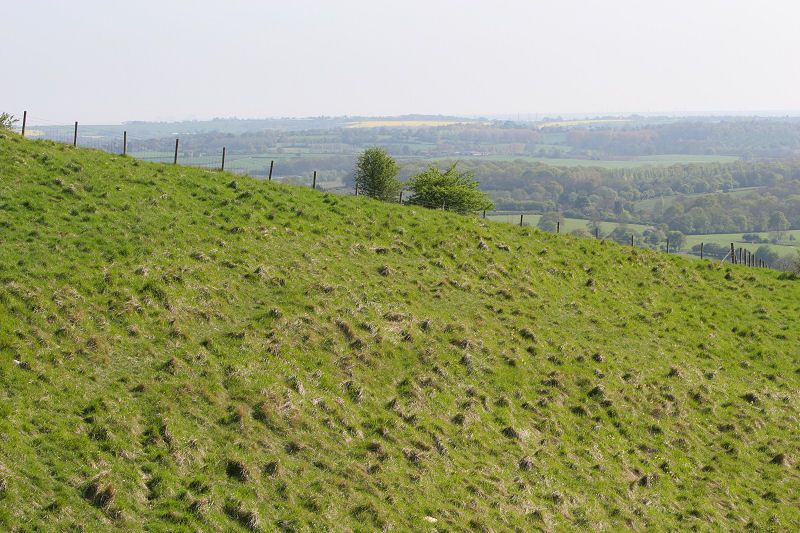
{"points": [[182, 349]]}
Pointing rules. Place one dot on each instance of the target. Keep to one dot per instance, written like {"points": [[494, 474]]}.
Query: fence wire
{"points": [[114, 139]]}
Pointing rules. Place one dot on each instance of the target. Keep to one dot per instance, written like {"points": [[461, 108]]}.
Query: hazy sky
{"points": [[110, 61]]}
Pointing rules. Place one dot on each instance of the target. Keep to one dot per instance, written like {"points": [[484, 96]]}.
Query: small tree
{"points": [[549, 221], [376, 174], [7, 121], [581, 232], [767, 254], [451, 190], [677, 240], [622, 234], [779, 224], [595, 227]]}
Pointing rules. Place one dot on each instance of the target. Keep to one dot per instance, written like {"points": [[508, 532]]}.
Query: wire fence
{"points": [[115, 139], [118, 140]]}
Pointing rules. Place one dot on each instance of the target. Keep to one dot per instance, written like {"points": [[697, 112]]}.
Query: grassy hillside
{"points": [[183, 350]]}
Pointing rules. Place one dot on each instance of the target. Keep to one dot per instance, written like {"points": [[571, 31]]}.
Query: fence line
{"points": [[736, 256], [117, 140], [162, 151]]}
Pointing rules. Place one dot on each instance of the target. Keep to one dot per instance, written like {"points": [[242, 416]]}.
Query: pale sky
{"points": [[104, 61]]}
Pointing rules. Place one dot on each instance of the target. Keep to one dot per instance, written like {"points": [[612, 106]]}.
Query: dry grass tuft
{"points": [[237, 470], [780, 459], [272, 468], [200, 506], [99, 491], [236, 511]]}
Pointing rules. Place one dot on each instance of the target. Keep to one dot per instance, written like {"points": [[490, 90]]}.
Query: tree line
{"points": [[747, 138], [741, 196]]}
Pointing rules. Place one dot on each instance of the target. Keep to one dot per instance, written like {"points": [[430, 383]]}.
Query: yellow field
{"points": [[401, 123], [564, 123]]}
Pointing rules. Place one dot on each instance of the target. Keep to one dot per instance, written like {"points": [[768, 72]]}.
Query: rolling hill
{"points": [[184, 350]]}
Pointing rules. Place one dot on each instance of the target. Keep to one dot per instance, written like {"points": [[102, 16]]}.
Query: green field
{"points": [[658, 160], [725, 239], [189, 350], [567, 226], [260, 162], [650, 203], [584, 122], [245, 164], [402, 123]]}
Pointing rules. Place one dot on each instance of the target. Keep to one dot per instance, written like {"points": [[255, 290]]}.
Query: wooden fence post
{"points": [[520, 220], [484, 214], [314, 182], [597, 233], [631, 239], [733, 254], [401, 197], [356, 189], [701, 250], [175, 160], [667, 244], [24, 121], [558, 226], [75, 135], [271, 164], [222, 167], [124, 143]]}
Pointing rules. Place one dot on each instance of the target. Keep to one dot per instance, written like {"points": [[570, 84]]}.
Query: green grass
{"points": [[183, 349]]}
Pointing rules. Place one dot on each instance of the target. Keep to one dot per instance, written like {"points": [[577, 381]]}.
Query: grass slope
{"points": [[180, 352]]}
